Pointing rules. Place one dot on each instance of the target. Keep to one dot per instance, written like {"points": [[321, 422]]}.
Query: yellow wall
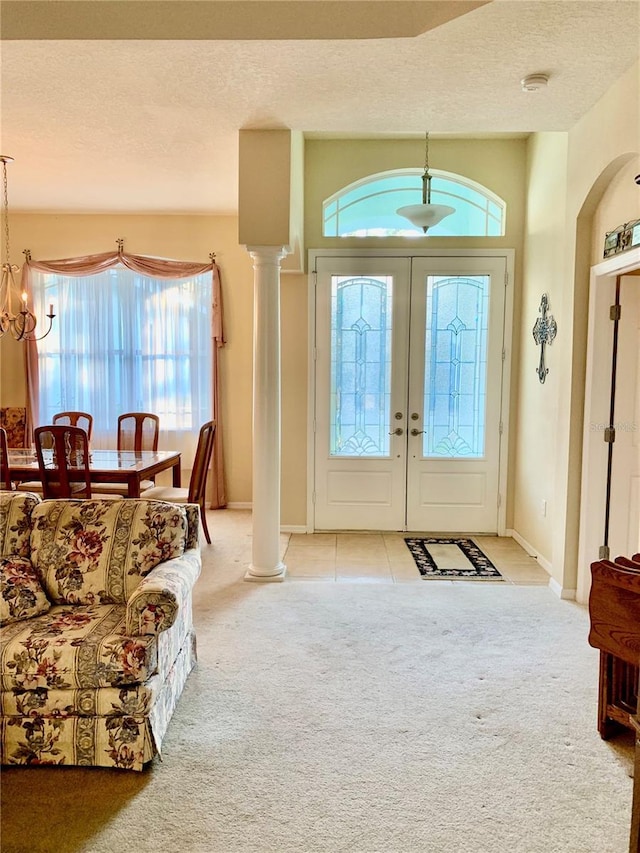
{"points": [[582, 192], [537, 409], [619, 204], [331, 164], [264, 185]]}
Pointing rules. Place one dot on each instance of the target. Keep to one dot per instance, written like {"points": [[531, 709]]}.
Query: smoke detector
{"points": [[534, 82]]}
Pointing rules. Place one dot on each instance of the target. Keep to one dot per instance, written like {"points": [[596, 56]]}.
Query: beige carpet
{"points": [[372, 718]]}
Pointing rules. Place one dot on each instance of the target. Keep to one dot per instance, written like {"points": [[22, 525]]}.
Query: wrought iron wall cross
{"points": [[544, 331]]}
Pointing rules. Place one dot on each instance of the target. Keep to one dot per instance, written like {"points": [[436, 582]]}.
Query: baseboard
{"points": [[240, 505], [531, 551], [560, 591]]}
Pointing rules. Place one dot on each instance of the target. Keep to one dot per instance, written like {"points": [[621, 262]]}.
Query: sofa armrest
{"points": [[155, 603], [193, 525]]}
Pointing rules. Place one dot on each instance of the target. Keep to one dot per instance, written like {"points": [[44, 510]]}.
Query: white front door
{"points": [[455, 388], [362, 346], [408, 357]]}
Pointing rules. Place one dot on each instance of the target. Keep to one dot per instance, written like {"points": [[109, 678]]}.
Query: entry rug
{"points": [[436, 557]]}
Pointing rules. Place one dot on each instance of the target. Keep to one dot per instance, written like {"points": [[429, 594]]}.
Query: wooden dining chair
{"points": [[80, 419], [63, 461], [136, 431], [197, 482], [5, 479]]}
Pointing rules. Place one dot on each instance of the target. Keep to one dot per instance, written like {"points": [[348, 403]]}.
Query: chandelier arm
{"points": [[20, 322]]}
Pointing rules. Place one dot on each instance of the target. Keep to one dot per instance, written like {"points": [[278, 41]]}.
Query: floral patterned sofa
{"points": [[97, 631]]}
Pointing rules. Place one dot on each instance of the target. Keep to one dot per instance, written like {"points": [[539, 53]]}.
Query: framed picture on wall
{"points": [[611, 243], [624, 237]]}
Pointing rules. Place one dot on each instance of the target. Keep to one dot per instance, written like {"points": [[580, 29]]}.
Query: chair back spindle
{"points": [[63, 461]]}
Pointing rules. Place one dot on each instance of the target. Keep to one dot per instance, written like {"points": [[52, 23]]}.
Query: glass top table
{"points": [[106, 466]]}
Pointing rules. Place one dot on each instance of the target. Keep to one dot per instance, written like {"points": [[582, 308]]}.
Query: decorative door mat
{"points": [[438, 557]]}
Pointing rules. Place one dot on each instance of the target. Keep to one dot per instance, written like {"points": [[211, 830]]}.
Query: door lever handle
{"points": [[415, 431], [396, 431]]}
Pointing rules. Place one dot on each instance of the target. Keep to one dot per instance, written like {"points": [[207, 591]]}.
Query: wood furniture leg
{"points": [[634, 838]]}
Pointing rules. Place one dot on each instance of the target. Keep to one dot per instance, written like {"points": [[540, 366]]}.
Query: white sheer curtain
{"points": [[123, 341]]}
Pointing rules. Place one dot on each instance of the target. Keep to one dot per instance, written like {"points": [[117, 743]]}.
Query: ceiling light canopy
{"points": [[425, 215]]}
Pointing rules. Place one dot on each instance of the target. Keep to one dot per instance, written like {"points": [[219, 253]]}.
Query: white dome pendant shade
{"points": [[425, 215]]}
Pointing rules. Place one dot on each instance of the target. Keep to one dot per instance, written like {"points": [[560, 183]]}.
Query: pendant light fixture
{"points": [[425, 215], [15, 315]]}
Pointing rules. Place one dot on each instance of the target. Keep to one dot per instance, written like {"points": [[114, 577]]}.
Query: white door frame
{"points": [[596, 411], [508, 255]]}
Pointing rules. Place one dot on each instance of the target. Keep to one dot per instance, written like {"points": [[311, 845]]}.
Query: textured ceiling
{"points": [[102, 125]]}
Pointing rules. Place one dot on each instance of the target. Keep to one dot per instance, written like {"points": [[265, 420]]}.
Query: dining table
{"points": [[105, 466]]}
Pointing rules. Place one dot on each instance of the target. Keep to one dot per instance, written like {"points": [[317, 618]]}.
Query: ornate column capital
{"points": [[263, 255]]}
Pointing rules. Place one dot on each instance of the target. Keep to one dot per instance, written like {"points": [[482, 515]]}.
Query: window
{"points": [[367, 208], [122, 342]]}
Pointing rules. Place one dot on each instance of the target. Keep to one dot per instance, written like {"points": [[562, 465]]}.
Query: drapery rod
{"points": [[120, 243]]}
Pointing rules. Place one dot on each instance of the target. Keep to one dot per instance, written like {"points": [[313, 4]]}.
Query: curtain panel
{"points": [[161, 268]]}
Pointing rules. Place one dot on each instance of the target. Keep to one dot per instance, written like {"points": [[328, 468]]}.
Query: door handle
{"points": [[396, 431], [415, 431]]}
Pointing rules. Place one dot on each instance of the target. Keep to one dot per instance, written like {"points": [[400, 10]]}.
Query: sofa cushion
{"points": [[15, 522], [21, 594], [75, 646], [133, 699], [97, 551]]}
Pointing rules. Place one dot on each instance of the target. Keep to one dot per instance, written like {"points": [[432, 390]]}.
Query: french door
{"points": [[408, 392]]}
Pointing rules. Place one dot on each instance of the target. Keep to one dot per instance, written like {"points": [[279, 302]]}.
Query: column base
{"points": [[279, 576]]}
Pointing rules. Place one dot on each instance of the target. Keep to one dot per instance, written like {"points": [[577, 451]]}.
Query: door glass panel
{"points": [[455, 366], [361, 317]]}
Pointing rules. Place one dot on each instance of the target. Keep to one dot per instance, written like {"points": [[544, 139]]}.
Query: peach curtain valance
{"points": [[155, 268]]}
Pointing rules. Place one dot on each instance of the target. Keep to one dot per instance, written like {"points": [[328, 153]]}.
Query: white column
{"points": [[265, 558]]}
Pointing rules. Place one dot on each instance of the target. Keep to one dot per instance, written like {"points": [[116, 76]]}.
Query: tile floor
{"points": [[385, 558]]}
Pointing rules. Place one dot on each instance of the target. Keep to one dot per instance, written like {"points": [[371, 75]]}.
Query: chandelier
{"points": [[15, 315], [426, 214]]}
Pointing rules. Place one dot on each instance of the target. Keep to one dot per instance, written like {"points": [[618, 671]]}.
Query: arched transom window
{"points": [[367, 208]]}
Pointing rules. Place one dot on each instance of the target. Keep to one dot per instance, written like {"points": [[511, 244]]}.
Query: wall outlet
{"points": [[543, 508]]}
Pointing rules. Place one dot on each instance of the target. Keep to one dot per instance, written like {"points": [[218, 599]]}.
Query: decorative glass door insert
{"points": [[455, 374], [361, 324]]}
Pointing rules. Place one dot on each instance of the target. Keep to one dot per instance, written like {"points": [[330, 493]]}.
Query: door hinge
{"points": [[615, 312], [500, 427], [610, 435], [314, 425], [313, 497], [315, 353], [506, 279], [504, 354], [499, 499]]}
